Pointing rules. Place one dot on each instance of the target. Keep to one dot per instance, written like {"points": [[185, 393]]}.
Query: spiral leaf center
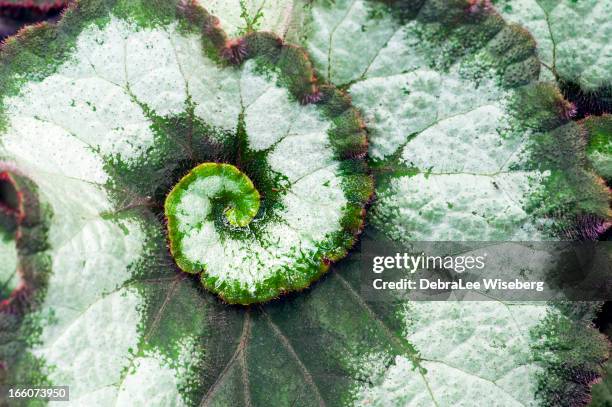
{"points": [[208, 186]]}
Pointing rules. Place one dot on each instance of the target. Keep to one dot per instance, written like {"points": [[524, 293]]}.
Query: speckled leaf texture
{"points": [[237, 17], [573, 39], [466, 144], [598, 133], [101, 115]]}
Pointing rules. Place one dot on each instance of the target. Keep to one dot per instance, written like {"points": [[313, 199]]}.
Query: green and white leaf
{"points": [[9, 279], [452, 130], [237, 17], [458, 132], [99, 108], [118, 323], [573, 37], [96, 127]]}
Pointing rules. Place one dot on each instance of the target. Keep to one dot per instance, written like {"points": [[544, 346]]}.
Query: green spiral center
{"points": [[209, 189]]}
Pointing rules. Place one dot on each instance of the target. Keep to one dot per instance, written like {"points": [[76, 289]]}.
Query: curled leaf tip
{"points": [[217, 184]]}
